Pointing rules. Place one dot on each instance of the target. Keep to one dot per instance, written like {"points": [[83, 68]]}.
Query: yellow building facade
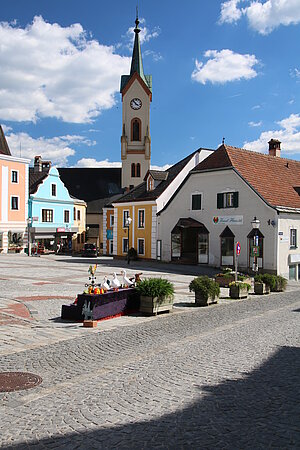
{"points": [[79, 212]]}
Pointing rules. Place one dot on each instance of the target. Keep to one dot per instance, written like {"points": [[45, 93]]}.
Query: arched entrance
{"points": [[189, 242]]}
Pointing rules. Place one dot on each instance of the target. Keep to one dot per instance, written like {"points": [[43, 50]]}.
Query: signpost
{"points": [[238, 251]]}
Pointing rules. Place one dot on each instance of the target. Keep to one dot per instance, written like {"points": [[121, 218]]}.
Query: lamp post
{"points": [[127, 224], [255, 225]]}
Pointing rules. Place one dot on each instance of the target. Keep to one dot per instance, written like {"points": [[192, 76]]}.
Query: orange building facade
{"points": [[13, 203]]}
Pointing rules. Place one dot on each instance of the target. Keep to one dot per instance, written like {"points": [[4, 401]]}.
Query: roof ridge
{"points": [[275, 158]]}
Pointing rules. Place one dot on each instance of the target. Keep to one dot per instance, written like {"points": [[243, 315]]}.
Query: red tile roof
{"points": [[272, 177]]}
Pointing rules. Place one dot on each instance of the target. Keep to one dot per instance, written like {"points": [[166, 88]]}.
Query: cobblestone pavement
{"points": [[225, 376]]}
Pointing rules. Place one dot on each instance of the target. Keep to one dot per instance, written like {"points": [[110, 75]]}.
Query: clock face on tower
{"points": [[136, 103]]}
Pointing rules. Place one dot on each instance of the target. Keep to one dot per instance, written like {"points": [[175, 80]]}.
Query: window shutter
{"points": [[235, 199], [220, 202]]}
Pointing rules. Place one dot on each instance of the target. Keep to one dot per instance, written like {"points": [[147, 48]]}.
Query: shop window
{"points": [[14, 203], [15, 239], [292, 272], [227, 247], [293, 238], [14, 176], [196, 201], [141, 216], [47, 215], [53, 190], [202, 248], [176, 245], [66, 216], [228, 200], [141, 246]]}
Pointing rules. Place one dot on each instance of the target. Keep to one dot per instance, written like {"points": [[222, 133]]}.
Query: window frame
{"points": [[111, 220], [68, 214], [139, 129], [194, 194], [78, 215], [124, 247], [11, 176], [124, 218], [138, 246], [293, 238], [223, 197], [141, 226], [51, 211], [53, 185], [18, 202]]}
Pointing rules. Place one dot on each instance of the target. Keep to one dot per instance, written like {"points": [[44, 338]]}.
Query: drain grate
{"points": [[17, 381]]}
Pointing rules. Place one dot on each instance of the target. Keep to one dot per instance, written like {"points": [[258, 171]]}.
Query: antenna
{"points": [[137, 10], [223, 141]]}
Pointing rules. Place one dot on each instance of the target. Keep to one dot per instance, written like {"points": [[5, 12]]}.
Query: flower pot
{"points": [[201, 300], [155, 305], [238, 292], [261, 288], [224, 281]]}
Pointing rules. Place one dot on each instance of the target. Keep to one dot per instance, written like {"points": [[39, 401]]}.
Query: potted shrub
{"points": [[238, 289], [206, 290], [156, 295], [280, 283], [277, 283], [225, 277], [260, 287]]}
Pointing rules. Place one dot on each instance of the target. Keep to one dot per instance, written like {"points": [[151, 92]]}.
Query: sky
{"points": [[221, 69]]}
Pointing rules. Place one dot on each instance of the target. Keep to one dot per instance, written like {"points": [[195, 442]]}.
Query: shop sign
{"points": [[228, 220], [60, 230], [109, 234], [254, 250], [283, 239]]}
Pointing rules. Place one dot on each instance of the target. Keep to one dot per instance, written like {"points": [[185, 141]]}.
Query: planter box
{"points": [[238, 292], [261, 288], [155, 305], [202, 301]]}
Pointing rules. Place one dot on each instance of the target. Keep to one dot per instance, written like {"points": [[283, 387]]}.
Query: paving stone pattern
{"points": [[222, 377]]}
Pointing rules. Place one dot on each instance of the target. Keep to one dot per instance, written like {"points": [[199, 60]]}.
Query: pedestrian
{"points": [[57, 247]]}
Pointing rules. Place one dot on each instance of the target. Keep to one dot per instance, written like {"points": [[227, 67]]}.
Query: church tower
{"points": [[136, 90]]}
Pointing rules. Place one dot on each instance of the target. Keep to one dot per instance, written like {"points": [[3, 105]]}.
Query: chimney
{"points": [[274, 147], [37, 164]]}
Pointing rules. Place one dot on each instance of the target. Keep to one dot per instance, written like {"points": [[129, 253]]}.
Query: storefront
{"points": [[50, 240], [189, 242]]}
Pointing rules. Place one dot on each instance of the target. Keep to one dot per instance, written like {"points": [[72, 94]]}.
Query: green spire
{"points": [[136, 61]]}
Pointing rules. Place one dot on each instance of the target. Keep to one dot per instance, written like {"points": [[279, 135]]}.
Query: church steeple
{"points": [[136, 62]]}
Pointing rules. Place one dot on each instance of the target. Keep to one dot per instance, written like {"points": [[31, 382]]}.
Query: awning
{"points": [[188, 222]]}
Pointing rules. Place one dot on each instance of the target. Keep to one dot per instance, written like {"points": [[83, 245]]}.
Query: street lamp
{"points": [[255, 225], [127, 224]]}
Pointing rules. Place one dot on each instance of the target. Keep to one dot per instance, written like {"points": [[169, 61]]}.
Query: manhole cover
{"points": [[16, 381]]}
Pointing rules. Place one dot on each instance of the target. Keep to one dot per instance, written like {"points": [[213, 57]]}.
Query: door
{"points": [[189, 244]]}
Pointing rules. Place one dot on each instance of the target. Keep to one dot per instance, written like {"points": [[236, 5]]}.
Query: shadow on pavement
{"points": [[257, 412]]}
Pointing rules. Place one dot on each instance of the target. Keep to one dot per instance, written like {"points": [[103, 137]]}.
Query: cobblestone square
{"points": [[225, 376]]}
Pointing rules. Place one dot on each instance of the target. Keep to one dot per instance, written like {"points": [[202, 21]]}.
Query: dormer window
{"points": [[150, 183]]}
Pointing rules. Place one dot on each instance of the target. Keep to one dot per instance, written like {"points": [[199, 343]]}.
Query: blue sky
{"points": [[220, 69]]}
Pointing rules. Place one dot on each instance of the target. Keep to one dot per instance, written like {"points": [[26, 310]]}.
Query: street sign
{"points": [[238, 248], [254, 251], [35, 219]]}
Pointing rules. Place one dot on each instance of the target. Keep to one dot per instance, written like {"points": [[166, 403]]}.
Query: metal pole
{"points": [[128, 259]]}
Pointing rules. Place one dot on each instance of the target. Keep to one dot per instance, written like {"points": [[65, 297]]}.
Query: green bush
{"points": [[277, 283], [155, 287], [241, 285], [205, 286]]}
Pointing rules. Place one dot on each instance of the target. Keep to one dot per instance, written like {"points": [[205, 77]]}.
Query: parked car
{"points": [[89, 250]]}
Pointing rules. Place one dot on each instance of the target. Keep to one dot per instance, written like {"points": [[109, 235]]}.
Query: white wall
{"points": [[250, 205]]}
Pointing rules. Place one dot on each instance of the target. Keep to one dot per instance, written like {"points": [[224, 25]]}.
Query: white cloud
{"points": [[56, 149], [255, 124], [52, 71], [91, 162], [145, 34], [295, 73], [156, 56], [262, 17], [165, 167], [256, 107], [229, 12], [224, 66], [288, 134]]}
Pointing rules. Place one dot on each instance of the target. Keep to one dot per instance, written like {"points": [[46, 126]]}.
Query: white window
{"points": [[111, 220], [53, 190], [125, 245], [141, 246], [14, 203], [125, 217], [196, 201], [141, 216], [66, 216], [293, 238], [47, 215], [15, 176]]}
